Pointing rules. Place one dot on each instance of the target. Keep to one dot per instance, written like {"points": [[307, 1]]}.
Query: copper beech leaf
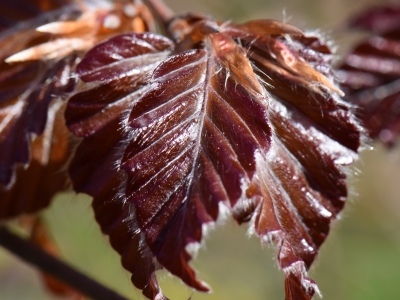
{"points": [[185, 156], [237, 116], [36, 63], [302, 185], [370, 73], [118, 68], [35, 145]]}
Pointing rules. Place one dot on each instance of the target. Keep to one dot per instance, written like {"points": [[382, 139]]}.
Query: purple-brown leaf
{"points": [[193, 145], [370, 74], [238, 116], [302, 185], [94, 169]]}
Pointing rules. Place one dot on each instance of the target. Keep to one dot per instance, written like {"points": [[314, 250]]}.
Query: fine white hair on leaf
{"points": [[266, 84], [224, 213], [226, 23], [299, 270], [251, 231], [285, 17], [193, 248]]}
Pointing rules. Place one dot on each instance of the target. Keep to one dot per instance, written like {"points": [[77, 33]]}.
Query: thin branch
{"points": [[54, 267], [163, 13]]}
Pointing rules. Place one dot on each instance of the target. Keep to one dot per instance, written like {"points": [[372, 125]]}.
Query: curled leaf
{"points": [[26, 90], [269, 27], [85, 30]]}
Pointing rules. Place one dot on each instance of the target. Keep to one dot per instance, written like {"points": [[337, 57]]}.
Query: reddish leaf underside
{"points": [[370, 74], [301, 181], [255, 128]]}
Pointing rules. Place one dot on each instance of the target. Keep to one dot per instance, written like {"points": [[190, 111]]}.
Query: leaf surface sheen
{"points": [[240, 118], [95, 113], [302, 184], [194, 136]]}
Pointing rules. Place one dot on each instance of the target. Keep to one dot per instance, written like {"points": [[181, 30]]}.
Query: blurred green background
{"points": [[360, 259]]}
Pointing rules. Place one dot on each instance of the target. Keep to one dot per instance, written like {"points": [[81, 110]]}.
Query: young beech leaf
{"points": [[115, 74], [235, 116], [301, 184], [193, 142], [26, 90], [370, 74], [34, 76], [37, 69]]}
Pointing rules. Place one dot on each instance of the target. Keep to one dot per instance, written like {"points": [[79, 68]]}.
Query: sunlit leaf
{"points": [[25, 115], [301, 181], [194, 138], [124, 65], [235, 117], [26, 91]]}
